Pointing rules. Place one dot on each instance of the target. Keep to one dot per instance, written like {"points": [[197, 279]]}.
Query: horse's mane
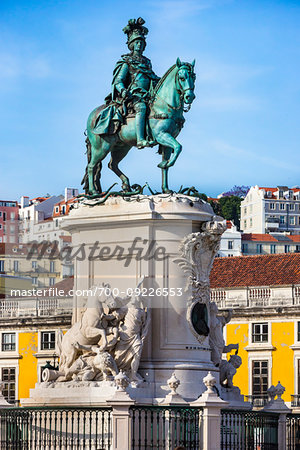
{"points": [[162, 80]]}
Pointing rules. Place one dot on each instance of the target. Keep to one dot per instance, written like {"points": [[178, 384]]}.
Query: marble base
{"points": [[234, 398]]}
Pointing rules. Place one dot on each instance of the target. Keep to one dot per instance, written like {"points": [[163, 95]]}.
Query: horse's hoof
{"points": [[162, 165], [126, 188]]}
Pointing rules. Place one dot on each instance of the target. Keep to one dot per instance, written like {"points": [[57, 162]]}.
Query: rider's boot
{"points": [[140, 121]]}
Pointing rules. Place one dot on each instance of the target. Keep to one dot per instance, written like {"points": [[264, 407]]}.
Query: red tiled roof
{"points": [[260, 270], [64, 202], [66, 238], [270, 238], [64, 285], [258, 237], [39, 199], [269, 189], [272, 189]]}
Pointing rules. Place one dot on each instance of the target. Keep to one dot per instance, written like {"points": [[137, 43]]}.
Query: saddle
{"points": [[110, 117]]}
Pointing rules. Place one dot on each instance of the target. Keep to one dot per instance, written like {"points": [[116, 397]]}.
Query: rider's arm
{"points": [[121, 80]]}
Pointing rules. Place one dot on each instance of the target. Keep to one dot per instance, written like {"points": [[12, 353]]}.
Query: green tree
{"points": [[231, 208]]}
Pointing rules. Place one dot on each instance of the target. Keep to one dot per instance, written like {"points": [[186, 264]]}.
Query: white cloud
{"points": [[233, 152]]}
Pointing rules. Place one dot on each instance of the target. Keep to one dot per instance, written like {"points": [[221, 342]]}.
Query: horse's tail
{"points": [[85, 179], [59, 338]]}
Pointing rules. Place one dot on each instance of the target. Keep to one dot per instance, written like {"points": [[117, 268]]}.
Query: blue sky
{"points": [[56, 63]]}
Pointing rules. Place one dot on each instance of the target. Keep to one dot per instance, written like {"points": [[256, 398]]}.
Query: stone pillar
{"points": [[210, 423], [282, 432], [278, 406], [121, 424], [121, 420]]}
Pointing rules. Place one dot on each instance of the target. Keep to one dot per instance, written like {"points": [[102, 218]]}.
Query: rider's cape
{"points": [[111, 117]]}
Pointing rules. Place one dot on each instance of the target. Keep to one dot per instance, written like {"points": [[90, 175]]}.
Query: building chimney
{"points": [[70, 193], [24, 201]]}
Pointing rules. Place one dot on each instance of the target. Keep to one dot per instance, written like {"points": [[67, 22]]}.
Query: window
{"points": [[251, 222], [8, 342], [0, 226], [48, 340], [298, 332], [244, 248], [9, 379], [51, 281], [16, 266], [0, 213], [12, 229], [1, 265], [292, 207], [245, 210], [258, 248], [4, 216], [260, 381], [281, 219], [282, 206], [297, 250], [259, 332], [286, 249], [34, 280], [56, 209], [56, 222], [230, 245], [12, 216], [245, 224], [34, 264], [52, 266], [272, 205], [292, 220], [273, 248]]}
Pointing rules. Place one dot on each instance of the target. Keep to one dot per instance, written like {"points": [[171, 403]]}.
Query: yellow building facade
{"points": [[264, 294], [28, 331]]}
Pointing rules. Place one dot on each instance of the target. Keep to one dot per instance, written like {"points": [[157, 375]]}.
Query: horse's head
{"points": [[185, 80]]}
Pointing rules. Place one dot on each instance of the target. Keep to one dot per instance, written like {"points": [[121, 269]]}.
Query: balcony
{"points": [[35, 307], [295, 401], [257, 400], [272, 223]]}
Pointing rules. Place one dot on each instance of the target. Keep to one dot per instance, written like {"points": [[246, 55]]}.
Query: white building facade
{"points": [[266, 210], [231, 241]]}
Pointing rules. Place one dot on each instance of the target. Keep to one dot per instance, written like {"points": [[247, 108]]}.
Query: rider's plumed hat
{"points": [[135, 30]]}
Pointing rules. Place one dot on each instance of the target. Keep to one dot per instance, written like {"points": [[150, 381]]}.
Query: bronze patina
{"points": [[142, 110]]}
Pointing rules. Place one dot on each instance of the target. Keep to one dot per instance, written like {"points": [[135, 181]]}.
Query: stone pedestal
{"points": [[122, 241], [234, 398]]}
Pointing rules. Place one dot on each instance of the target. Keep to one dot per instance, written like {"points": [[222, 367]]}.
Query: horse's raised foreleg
{"points": [[167, 140], [166, 153], [116, 156]]}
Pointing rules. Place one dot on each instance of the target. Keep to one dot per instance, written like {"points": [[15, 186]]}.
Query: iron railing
{"points": [[292, 431], [165, 427], [55, 428], [249, 430]]}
